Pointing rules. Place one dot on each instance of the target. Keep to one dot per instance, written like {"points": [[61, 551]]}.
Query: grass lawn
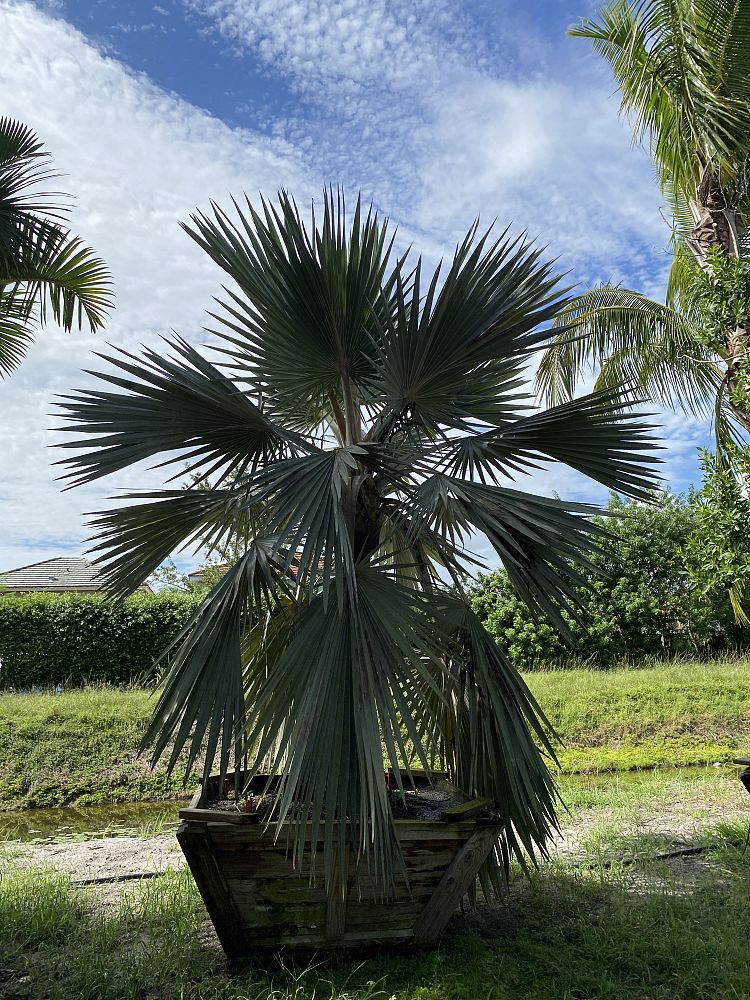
{"points": [[687, 712], [605, 921], [80, 747], [648, 930]]}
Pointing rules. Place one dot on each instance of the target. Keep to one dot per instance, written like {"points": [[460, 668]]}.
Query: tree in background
{"points": [[639, 598], [683, 71], [44, 269], [718, 547], [370, 413]]}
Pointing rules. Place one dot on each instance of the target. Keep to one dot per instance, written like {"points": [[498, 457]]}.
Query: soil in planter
{"points": [[424, 803]]}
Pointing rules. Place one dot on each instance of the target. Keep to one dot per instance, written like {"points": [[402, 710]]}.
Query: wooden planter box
{"points": [[259, 903]]}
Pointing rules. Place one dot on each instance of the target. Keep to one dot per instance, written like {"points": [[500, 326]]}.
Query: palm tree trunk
{"points": [[714, 211]]}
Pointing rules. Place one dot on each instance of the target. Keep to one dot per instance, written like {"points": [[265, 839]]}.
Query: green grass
{"points": [[682, 713], [701, 791], [80, 747], [642, 931], [605, 930]]}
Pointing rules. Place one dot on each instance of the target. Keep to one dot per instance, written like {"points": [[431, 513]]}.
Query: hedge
{"points": [[71, 639]]}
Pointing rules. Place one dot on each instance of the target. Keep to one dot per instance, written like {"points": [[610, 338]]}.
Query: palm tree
{"points": [[43, 267], [359, 418], [683, 70]]}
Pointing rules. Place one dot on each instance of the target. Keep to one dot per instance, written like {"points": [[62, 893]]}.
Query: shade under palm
{"points": [[43, 267], [356, 428], [683, 70]]}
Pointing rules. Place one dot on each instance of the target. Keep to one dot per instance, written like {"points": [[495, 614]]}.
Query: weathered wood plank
{"points": [[278, 892], [375, 934], [467, 810], [417, 830], [454, 884], [258, 900], [428, 829], [395, 914], [214, 890]]}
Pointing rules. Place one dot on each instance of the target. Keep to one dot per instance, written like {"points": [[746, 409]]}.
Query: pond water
{"points": [[605, 779], [127, 819], [140, 819]]}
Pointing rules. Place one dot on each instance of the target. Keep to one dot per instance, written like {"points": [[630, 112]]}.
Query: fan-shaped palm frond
{"points": [[43, 268], [350, 412]]}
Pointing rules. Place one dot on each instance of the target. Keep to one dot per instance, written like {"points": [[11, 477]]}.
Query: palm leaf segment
{"points": [[44, 269], [683, 74], [355, 409]]}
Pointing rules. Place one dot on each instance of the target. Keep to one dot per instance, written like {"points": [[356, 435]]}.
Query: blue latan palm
{"points": [[361, 419]]}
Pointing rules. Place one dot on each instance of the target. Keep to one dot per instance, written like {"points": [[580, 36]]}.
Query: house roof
{"points": [[64, 573], [197, 575]]}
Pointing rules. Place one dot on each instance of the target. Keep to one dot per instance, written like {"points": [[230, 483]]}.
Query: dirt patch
{"points": [[677, 825], [111, 857]]}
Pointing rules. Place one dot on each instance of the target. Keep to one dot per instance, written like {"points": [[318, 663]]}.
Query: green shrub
{"points": [[49, 639], [639, 599]]}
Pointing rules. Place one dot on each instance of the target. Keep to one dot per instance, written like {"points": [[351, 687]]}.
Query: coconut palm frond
{"points": [[49, 268], [673, 80], [45, 271], [23, 166], [630, 340], [16, 330]]}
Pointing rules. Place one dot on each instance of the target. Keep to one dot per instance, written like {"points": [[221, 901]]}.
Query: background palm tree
{"points": [[43, 268], [357, 427], [683, 70]]}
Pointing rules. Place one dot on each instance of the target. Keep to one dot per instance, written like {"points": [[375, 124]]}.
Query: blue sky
{"points": [[437, 110]]}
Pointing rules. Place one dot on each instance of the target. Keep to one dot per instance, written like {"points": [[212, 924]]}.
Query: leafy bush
{"points": [[718, 547], [49, 639], [639, 599]]}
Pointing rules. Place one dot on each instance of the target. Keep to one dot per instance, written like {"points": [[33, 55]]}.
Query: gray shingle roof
{"points": [[65, 573]]}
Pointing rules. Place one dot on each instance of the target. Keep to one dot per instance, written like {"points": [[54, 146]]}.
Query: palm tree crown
{"points": [[43, 268], [683, 71], [357, 426]]}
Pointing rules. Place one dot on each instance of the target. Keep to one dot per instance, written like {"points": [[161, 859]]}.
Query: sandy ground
{"points": [[681, 824], [123, 858], [110, 857]]}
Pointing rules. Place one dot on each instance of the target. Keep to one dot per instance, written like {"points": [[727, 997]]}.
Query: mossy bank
{"points": [[80, 747]]}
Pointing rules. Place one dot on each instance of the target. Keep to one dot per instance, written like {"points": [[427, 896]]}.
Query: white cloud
{"points": [[138, 161], [397, 103], [439, 120]]}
